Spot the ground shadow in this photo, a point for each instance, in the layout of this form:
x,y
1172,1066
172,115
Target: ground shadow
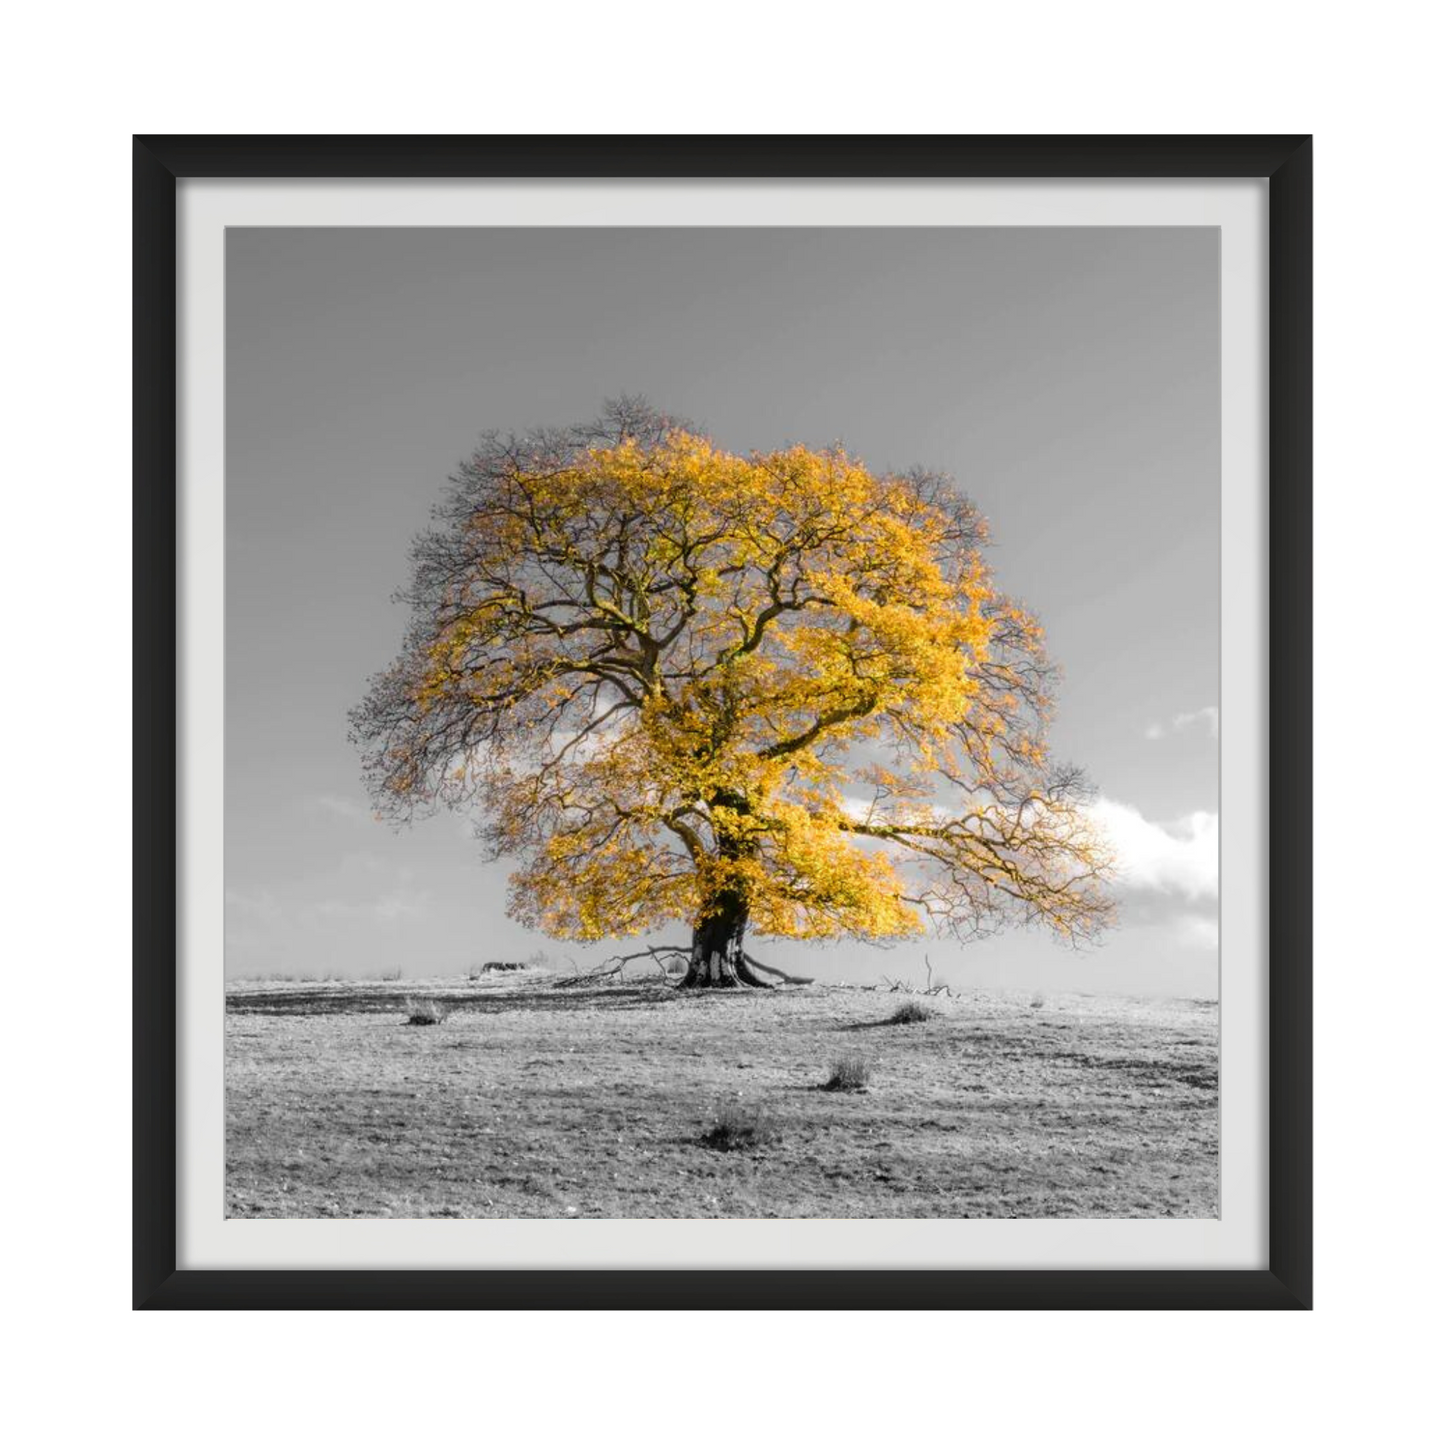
x,y
884,1024
312,1001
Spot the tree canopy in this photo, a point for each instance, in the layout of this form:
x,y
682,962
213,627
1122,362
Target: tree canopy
x,y
675,681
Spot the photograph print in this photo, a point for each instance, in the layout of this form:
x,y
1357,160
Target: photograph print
x,y
722,723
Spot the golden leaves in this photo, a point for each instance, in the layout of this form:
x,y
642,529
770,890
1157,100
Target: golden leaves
x,y
666,671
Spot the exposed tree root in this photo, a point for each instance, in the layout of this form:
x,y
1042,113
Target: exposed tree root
x,y
745,970
719,971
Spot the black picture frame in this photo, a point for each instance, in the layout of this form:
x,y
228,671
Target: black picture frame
x,y
160,161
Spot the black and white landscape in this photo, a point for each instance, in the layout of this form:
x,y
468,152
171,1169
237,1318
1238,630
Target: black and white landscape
x,y
792,792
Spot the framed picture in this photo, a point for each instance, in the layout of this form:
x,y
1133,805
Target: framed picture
x,y
827,622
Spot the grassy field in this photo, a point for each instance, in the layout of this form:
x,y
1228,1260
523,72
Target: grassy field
x,y
533,1099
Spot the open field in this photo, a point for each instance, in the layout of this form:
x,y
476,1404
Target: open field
x,y
592,1100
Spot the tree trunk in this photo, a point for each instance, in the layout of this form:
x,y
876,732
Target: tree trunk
x,y
718,960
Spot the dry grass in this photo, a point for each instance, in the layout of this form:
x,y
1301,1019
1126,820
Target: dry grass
x,y
910,1013
422,1011
738,1126
850,1074
589,1101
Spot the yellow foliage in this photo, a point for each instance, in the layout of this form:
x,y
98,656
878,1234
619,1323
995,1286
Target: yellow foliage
x,y
672,674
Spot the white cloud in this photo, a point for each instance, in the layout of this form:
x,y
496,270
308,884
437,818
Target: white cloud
x,y
1180,857
1184,721
348,808
1195,930
1209,716
1177,859
262,904
398,905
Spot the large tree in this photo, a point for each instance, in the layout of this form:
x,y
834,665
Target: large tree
x,y
776,692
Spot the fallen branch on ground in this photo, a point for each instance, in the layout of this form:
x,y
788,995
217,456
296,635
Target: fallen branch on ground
x,y
936,990
580,978
776,972
620,961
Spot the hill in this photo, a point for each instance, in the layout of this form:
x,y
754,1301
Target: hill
x,y
540,1096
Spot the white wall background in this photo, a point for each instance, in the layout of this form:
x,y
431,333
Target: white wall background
x,y
83,78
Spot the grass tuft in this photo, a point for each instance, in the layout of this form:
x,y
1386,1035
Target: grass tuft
x,y
850,1075
910,1013
737,1126
422,1011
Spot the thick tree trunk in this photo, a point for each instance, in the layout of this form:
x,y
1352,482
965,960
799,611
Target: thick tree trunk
x,y
718,960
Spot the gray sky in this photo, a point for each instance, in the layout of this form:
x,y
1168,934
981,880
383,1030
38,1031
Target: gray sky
x,y
1068,378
